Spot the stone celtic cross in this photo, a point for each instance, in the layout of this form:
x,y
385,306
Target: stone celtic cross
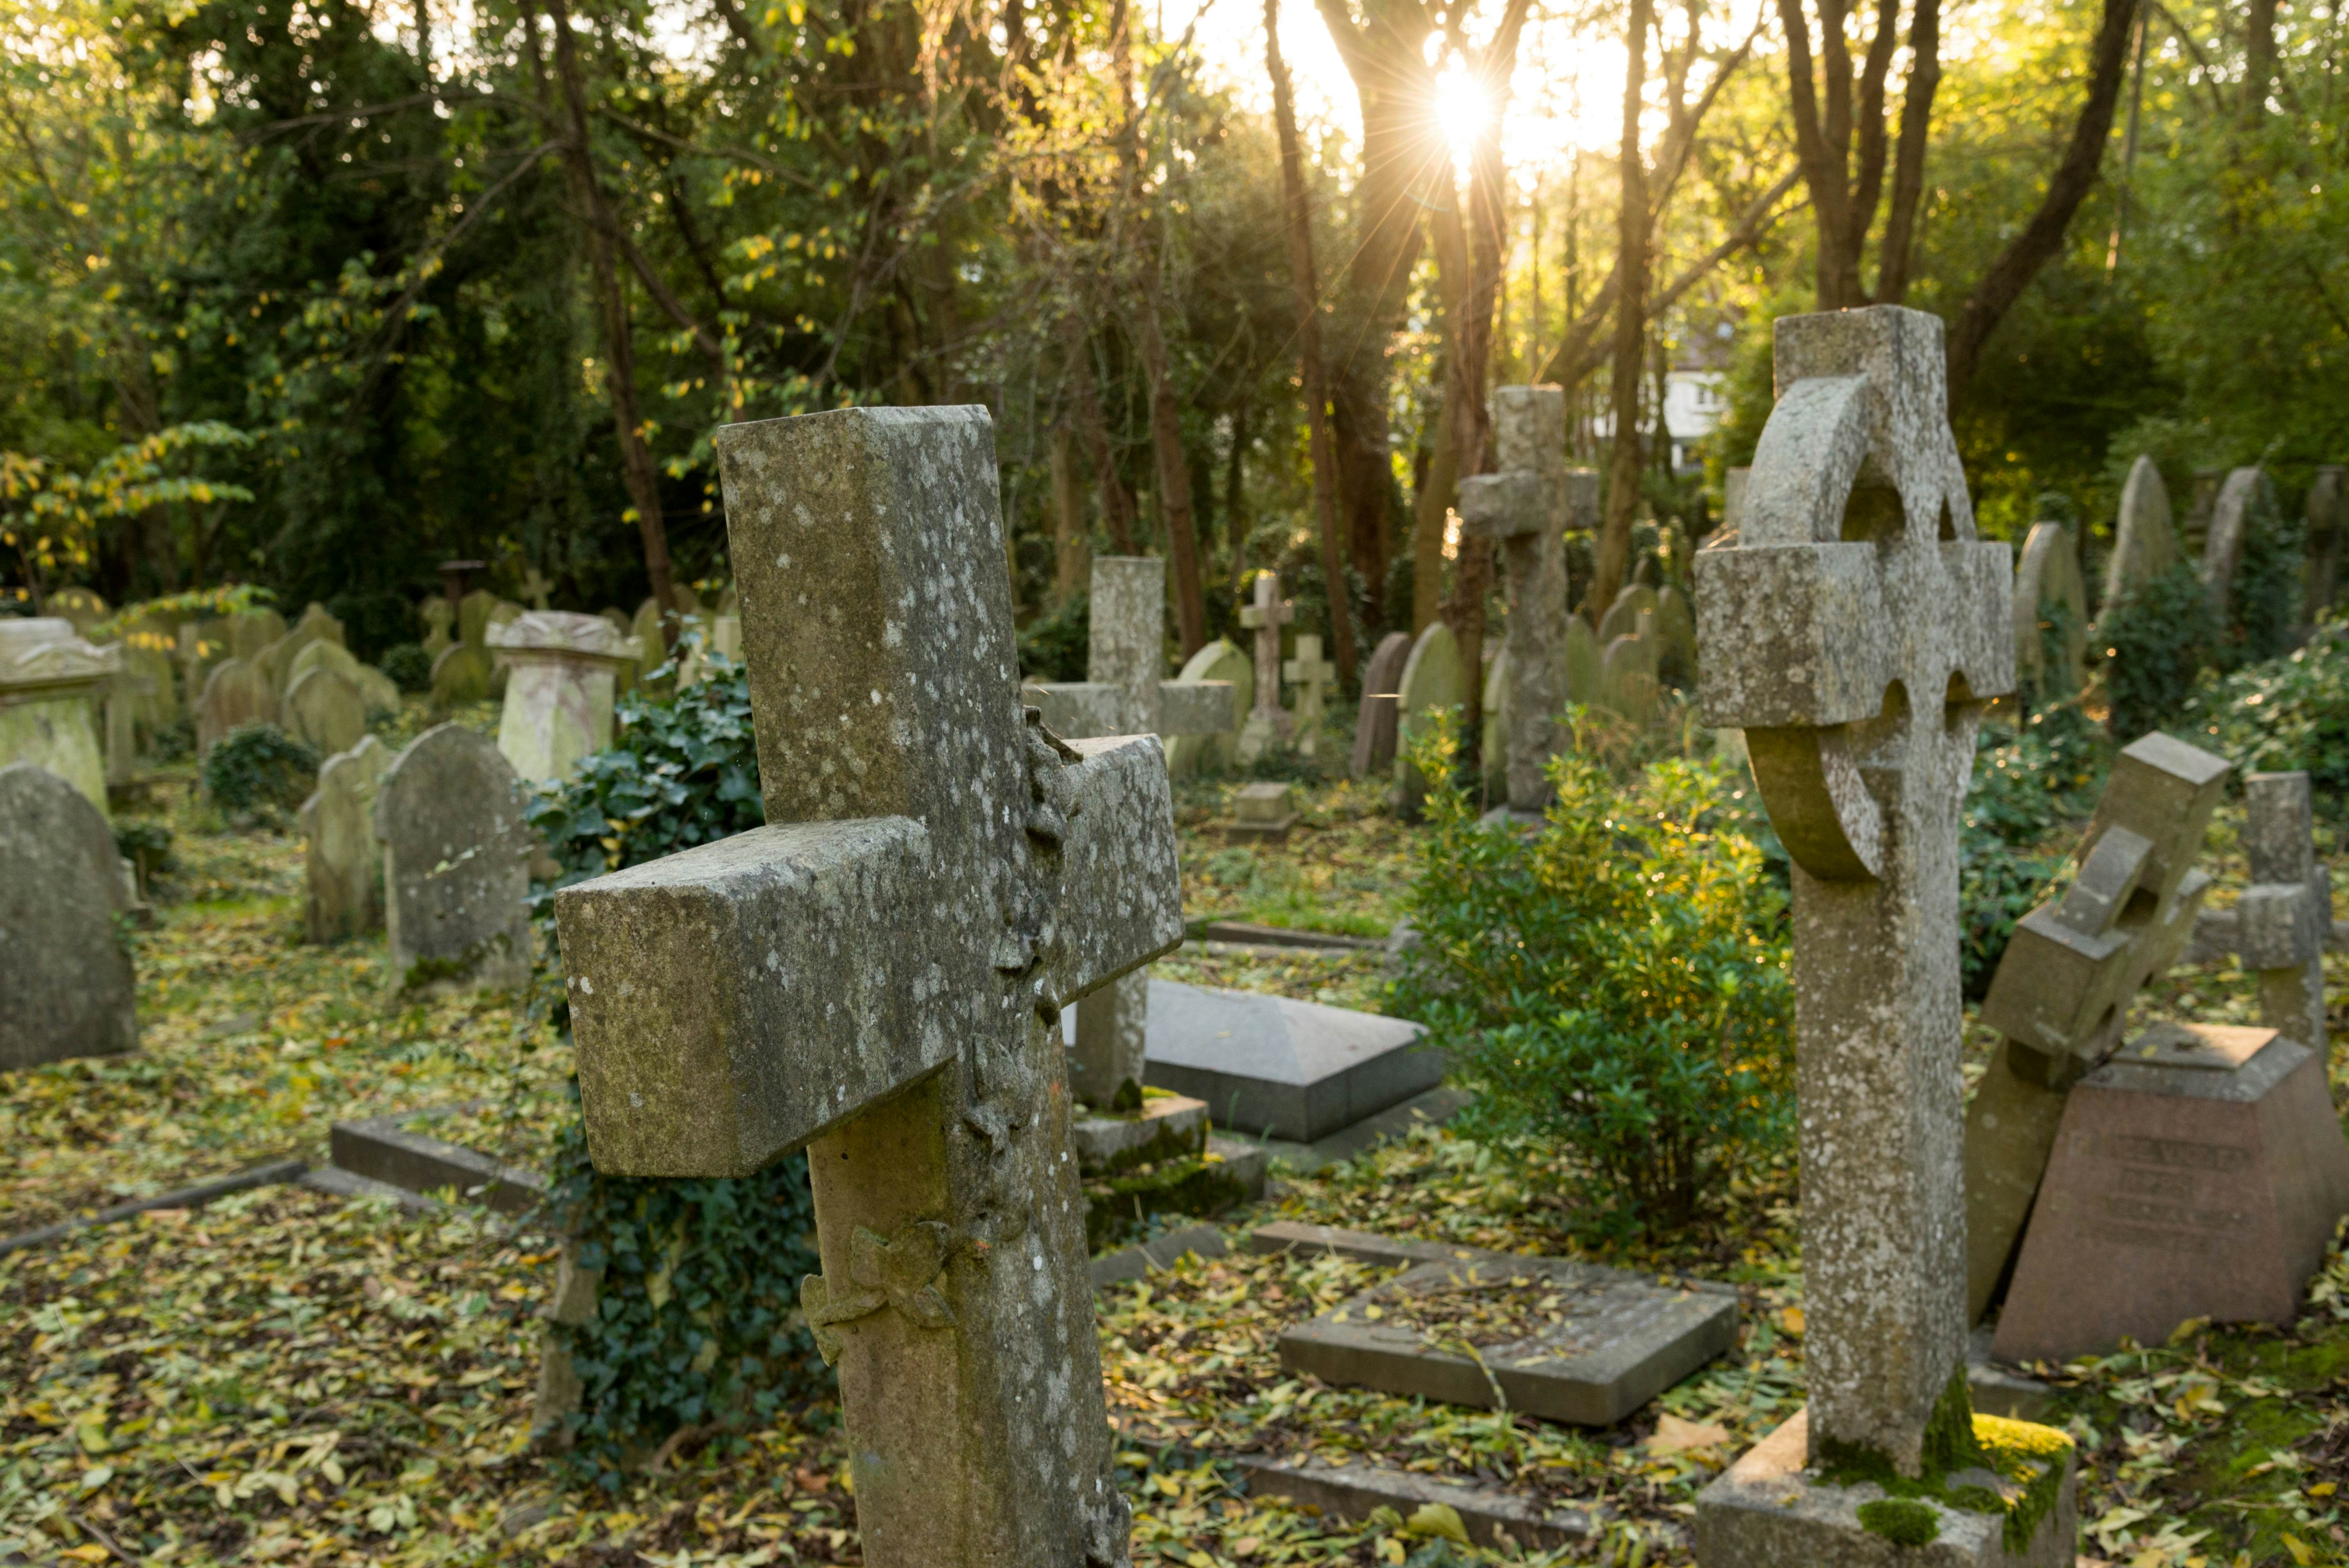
x,y
876,976
1856,633
1267,721
1125,691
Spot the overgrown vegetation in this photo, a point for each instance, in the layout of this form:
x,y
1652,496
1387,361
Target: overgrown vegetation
x,y
259,769
2155,639
2282,714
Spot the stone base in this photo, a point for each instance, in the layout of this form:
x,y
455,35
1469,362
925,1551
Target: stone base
x,y
1279,1068
1230,1173
1159,1252
1766,1512
1430,1107
1272,831
1167,1127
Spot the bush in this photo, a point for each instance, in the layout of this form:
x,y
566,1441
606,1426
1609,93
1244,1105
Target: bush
x,y
1615,981
1058,645
2284,714
408,665
259,769
2156,638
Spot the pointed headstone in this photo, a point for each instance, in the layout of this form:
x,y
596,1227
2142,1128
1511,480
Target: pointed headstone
x,y
65,988
342,859
1374,721
2144,539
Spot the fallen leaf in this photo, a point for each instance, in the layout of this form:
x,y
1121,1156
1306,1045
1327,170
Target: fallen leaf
x,y
1674,1436
1437,1518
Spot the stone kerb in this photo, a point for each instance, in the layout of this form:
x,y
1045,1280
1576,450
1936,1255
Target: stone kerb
x,y
50,685
66,982
564,677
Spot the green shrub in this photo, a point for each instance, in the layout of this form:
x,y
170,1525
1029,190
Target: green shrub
x,y
146,844
408,665
1056,645
1615,981
2282,714
2156,638
259,769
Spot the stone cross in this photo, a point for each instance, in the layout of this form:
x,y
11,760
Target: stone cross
x,y
437,615
535,588
1125,691
1312,674
1267,721
876,976
1855,632
1525,507
2286,913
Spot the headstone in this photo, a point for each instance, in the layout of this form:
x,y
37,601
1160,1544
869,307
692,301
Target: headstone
x,y
2325,497
2284,916
1676,632
1623,619
67,988
2199,507
325,712
564,671
653,650
120,700
2246,504
81,606
277,661
1732,497
1524,506
1312,675
2145,540
2072,966
1492,744
2051,615
1105,1060
1855,632
461,676
536,587
1374,721
439,615
250,631
1435,680
1279,1068
1629,673
1124,691
1268,723
456,865
237,694
51,683
872,975
2197,1174
342,859
474,612
1266,811
1218,681
1586,661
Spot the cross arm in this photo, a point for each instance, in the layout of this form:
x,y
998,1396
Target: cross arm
x,y
735,1001
1076,708
1121,900
1501,506
1196,707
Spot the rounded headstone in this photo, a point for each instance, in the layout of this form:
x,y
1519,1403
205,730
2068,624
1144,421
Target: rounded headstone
x,y
236,693
342,862
65,988
2051,614
461,676
1374,722
1187,755
2144,539
325,711
1434,678
456,865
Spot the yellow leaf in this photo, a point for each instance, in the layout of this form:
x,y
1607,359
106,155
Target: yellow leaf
x,y
2299,1549
1791,1320
89,1553
2323,1489
1434,1519
1674,1436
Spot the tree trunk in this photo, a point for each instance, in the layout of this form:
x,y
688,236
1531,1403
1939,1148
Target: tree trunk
x,y
1092,430
1070,553
1304,278
1631,326
2259,61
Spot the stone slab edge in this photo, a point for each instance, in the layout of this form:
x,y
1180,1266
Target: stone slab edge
x,y
1241,930
1352,1491
1364,1246
269,1175
1434,1106
417,1162
1158,1252
336,1183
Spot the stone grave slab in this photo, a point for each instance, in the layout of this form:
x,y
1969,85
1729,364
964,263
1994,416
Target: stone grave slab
x,y
1265,812
2199,1172
1563,1340
1163,1251
66,984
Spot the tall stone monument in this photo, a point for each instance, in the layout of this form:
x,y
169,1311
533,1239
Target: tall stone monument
x,y
564,676
1268,723
50,685
456,865
876,976
1125,691
2286,915
66,986
1855,632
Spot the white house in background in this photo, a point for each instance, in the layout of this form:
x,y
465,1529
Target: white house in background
x,y
1695,401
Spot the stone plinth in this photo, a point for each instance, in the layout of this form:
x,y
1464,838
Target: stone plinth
x,y
1263,811
50,685
2199,1173
1168,1125
66,984
565,674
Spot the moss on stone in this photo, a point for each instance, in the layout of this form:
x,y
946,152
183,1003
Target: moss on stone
x,y
1196,1184
2032,1457
1902,1521
2029,1458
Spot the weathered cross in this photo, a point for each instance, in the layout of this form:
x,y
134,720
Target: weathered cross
x,y
1855,634
2286,913
1525,507
1125,691
877,974
1312,674
2062,992
1267,721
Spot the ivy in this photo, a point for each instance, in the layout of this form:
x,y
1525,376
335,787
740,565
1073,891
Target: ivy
x,y
2286,712
259,769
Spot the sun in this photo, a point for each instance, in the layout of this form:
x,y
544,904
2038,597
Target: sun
x,y
1463,111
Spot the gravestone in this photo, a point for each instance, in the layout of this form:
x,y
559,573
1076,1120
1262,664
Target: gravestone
x,y
2325,494
375,689
1374,721
2072,966
237,694
342,862
1586,661
67,988
1219,680
1676,632
1630,673
2194,526
1524,506
456,865
50,685
2051,615
536,587
1492,744
81,606
1434,680
439,615
873,974
2286,915
252,631
653,649
1312,675
1855,632
1124,692
563,675
325,711
474,612
2144,539
461,676
2246,504
1732,497
1623,619
1268,723
2199,1173
1266,811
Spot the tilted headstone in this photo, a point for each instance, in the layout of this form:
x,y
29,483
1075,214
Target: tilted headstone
x,y
2246,505
456,865
1125,691
2144,539
2286,915
324,711
66,986
342,859
1217,682
876,976
1375,720
236,693
2051,615
1855,632
1268,723
2062,992
653,650
1527,507
1629,672
438,616
1622,620
51,683
1434,679
563,675
2325,497
1312,675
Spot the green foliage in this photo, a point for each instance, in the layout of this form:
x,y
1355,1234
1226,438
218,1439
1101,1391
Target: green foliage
x,y
408,665
145,843
693,1321
259,769
684,771
2263,601
1056,645
2156,638
1615,981
2032,787
1903,1521
2287,713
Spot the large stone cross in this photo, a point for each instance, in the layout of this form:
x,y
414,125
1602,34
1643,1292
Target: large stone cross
x,y
1312,674
1855,634
876,976
1267,721
2286,914
1125,691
